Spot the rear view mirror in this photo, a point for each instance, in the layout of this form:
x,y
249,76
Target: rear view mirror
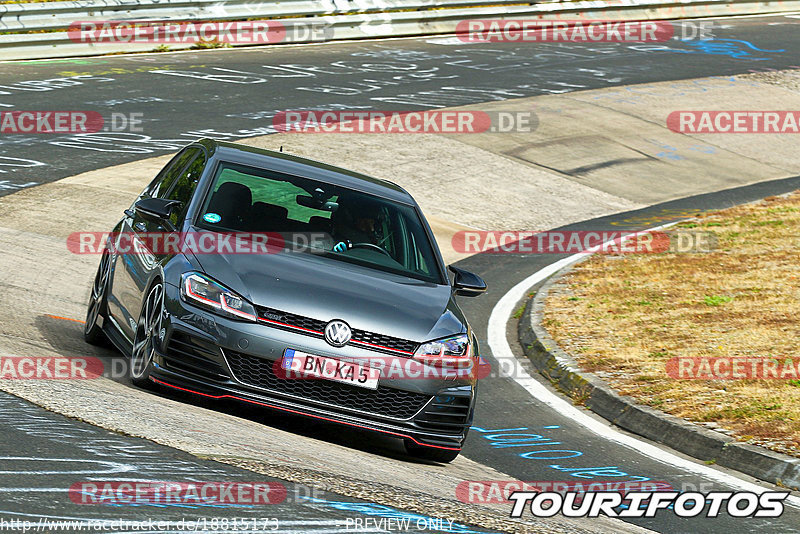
x,y
316,203
467,284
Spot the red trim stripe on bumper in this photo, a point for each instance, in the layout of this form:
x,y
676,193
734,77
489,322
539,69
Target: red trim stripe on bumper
x,y
226,396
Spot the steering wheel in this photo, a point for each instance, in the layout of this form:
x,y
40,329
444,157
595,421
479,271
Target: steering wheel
x,y
371,247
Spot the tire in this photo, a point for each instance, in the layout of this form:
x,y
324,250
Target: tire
x,y
92,332
420,452
147,336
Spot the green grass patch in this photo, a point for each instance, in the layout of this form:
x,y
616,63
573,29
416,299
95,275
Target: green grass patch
x,y
716,300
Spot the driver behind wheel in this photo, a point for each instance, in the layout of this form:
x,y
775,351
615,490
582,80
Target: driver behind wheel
x,y
356,224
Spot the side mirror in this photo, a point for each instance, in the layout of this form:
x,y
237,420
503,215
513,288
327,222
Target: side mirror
x,y
467,284
155,209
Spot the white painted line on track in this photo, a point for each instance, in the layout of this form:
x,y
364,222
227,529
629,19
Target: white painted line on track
x,y
501,350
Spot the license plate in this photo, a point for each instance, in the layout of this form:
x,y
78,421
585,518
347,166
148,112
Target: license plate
x,y
303,366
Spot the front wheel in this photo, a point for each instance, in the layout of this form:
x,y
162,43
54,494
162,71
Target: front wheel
x,y
148,332
92,332
429,453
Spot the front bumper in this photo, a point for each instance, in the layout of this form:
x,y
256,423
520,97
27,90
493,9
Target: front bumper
x,y
220,358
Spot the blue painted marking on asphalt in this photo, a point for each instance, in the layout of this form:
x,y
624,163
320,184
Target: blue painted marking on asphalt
x,y
504,438
735,48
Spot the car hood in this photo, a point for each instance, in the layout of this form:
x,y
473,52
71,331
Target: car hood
x,y
326,289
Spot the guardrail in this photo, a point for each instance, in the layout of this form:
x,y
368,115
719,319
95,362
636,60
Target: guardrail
x,y
346,19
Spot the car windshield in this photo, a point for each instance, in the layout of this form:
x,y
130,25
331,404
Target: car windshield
x,y
335,222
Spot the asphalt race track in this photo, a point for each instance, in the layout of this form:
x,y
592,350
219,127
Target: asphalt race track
x,y
50,451
233,94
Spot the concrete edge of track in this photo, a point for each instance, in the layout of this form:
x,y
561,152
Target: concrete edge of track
x,y
500,327
679,434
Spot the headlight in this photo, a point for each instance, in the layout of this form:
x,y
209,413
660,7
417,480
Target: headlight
x,y
454,349
202,291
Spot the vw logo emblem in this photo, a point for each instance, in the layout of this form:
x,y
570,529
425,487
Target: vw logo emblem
x,y
337,333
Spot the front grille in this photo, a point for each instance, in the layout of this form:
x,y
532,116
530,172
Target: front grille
x,y
191,355
379,340
291,319
314,327
445,413
258,372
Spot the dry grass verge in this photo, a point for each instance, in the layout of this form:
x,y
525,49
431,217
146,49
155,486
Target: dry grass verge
x,y
623,318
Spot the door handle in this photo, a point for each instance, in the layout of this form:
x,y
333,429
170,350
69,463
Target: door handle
x,y
140,226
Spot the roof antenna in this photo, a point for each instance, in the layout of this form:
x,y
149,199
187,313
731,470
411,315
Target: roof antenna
x,y
281,148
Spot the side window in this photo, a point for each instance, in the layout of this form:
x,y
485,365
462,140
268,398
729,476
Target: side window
x,y
162,174
164,186
166,175
184,187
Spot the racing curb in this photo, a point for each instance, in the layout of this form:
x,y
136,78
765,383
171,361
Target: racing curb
x,y
701,443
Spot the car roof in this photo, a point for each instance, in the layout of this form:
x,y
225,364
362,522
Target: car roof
x,y
307,168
